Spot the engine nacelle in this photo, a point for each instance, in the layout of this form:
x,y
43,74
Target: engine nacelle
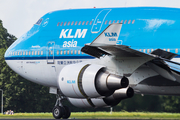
x,y
89,81
112,100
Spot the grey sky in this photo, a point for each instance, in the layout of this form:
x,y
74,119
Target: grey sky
x,y
18,16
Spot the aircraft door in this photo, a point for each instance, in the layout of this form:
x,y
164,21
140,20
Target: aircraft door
x,y
99,20
50,52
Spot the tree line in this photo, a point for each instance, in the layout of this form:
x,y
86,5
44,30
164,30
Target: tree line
x,y
21,95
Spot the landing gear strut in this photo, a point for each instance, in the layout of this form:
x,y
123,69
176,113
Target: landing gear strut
x,y
60,111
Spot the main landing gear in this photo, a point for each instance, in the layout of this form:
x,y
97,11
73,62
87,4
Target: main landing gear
x,y
60,111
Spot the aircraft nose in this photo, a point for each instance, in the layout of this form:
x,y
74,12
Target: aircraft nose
x,y
6,54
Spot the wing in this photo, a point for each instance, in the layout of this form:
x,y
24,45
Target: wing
x,y
105,44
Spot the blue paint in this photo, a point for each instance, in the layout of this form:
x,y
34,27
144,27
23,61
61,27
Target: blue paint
x,y
143,28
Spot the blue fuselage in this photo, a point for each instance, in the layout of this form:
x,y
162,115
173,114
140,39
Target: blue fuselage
x,y
144,29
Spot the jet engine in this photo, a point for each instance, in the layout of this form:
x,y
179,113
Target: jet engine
x,y
89,81
112,100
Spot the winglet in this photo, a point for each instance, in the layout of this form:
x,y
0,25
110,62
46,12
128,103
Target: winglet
x,y
109,36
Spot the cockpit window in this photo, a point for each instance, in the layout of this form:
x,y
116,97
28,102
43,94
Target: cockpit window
x,y
39,22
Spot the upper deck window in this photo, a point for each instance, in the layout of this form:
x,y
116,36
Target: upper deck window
x,y
79,23
58,24
68,23
76,23
129,21
133,21
65,23
72,23
39,22
61,23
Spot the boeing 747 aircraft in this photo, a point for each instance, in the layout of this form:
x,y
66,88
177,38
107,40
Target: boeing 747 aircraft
x,y
98,57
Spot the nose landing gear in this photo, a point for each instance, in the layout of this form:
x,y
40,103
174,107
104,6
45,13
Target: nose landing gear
x,y
60,111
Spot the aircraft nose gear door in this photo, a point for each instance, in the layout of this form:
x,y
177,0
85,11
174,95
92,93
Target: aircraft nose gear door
x,y
50,53
99,20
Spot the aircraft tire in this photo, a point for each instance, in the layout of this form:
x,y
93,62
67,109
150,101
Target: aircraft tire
x,y
57,112
67,112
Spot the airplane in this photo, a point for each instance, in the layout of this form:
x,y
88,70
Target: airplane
x,y
100,56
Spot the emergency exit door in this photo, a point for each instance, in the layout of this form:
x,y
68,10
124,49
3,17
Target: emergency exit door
x,y
98,22
50,53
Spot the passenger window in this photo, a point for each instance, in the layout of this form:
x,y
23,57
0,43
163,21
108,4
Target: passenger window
x,y
68,52
32,52
148,50
105,22
83,22
61,52
82,53
90,23
79,51
64,52
176,50
139,49
133,21
71,52
26,52
121,21
29,52
41,52
87,22
23,52
76,23
68,23
79,23
114,21
38,52
18,52
152,50
72,23
164,49
168,50
144,50
125,21
74,51
57,52
117,21
35,52
129,21
61,23
110,22
51,52
58,24
65,23
15,53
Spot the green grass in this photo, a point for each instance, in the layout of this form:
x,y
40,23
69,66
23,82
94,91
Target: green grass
x,y
99,115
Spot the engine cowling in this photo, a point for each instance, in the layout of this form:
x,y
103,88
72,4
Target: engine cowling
x,y
89,80
112,100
